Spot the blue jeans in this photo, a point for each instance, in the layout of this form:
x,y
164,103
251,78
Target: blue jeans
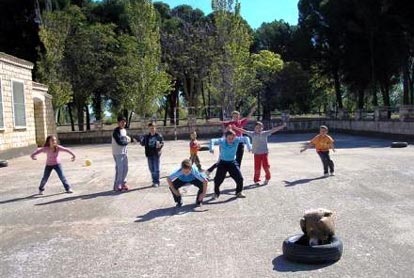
x,y
154,167
48,171
121,169
326,161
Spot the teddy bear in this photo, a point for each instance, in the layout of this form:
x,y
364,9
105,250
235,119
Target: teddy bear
x,y
318,226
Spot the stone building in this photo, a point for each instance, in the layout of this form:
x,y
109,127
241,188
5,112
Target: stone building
x,y
26,112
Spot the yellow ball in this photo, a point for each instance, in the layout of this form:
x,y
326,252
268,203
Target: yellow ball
x,y
88,162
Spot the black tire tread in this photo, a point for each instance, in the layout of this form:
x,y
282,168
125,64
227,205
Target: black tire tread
x,y
312,254
399,144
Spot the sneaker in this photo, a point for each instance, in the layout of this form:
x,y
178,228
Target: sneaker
x,y
240,195
326,175
215,196
179,205
155,185
41,192
332,174
199,204
266,182
117,188
69,190
124,187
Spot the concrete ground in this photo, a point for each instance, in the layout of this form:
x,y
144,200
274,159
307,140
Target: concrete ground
x,y
98,233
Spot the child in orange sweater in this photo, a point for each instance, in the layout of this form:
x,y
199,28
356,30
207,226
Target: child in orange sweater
x,y
323,143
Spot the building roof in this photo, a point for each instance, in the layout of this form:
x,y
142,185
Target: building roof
x,y
15,61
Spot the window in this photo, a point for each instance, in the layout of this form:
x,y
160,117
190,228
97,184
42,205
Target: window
x,y
1,107
19,107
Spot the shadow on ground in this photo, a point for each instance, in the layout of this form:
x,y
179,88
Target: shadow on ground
x,y
92,196
30,197
171,211
302,181
280,264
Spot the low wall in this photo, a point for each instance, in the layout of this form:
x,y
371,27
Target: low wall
x,y
169,133
395,130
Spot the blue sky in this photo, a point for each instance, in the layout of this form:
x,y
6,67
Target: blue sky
x,y
254,11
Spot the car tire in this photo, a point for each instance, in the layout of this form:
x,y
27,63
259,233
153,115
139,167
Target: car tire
x,y
399,144
296,249
3,163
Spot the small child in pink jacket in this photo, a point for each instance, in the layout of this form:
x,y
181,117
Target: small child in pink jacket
x,y
52,149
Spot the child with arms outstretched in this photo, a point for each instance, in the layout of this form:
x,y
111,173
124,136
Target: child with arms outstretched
x,y
52,150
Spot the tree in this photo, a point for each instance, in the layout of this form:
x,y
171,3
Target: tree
x,y
277,37
267,65
53,35
151,81
234,78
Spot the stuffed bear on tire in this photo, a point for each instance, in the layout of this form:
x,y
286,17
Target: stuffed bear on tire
x,y
318,243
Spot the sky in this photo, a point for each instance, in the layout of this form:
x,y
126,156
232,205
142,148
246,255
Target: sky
x,y
254,11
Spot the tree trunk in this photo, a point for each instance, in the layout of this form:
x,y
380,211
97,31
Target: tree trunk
x,y
167,102
386,95
209,104
337,85
72,123
258,104
80,112
266,106
130,118
97,106
88,118
406,83
361,98
373,77
177,115
58,112
125,114
204,101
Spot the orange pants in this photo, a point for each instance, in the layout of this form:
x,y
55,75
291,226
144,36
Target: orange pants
x,y
259,161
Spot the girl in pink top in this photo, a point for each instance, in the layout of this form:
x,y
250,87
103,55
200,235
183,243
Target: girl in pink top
x,y
52,149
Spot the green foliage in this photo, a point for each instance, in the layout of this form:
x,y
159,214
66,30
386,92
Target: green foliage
x,y
150,81
53,34
267,63
235,78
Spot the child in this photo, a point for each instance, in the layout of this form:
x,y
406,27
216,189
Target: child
x,y
228,162
240,123
120,142
52,149
260,149
153,143
185,175
194,147
323,142
214,166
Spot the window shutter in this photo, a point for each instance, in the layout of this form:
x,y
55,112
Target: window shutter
x,y
19,104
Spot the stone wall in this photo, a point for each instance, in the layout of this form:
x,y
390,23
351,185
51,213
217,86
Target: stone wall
x,y
169,133
394,130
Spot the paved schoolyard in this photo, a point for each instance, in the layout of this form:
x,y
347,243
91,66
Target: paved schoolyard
x,y
98,233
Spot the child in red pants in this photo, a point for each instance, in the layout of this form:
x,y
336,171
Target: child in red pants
x,y
260,150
